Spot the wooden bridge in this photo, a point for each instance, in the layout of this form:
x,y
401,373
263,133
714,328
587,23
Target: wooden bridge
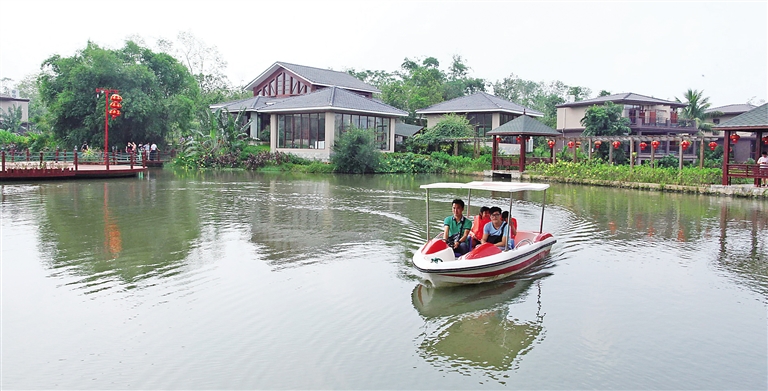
x,y
25,165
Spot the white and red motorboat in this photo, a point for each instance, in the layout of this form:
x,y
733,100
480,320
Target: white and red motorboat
x,y
438,264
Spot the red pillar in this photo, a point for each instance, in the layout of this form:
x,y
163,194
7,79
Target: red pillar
x,y
726,156
494,153
522,153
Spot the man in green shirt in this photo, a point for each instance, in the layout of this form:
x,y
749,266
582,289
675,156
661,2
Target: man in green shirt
x,y
457,228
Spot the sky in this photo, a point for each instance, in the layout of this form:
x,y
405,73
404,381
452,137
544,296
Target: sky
x,y
658,49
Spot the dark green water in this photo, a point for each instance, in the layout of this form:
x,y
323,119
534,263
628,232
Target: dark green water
x,y
286,281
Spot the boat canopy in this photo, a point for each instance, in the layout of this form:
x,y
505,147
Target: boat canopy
x,y
491,186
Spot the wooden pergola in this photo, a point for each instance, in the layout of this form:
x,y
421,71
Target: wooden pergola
x,y
753,121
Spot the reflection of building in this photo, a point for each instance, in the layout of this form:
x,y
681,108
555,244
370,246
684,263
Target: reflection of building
x,y
484,111
305,109
473,327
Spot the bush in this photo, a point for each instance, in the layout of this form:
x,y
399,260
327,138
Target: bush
x,y
355,152
406,163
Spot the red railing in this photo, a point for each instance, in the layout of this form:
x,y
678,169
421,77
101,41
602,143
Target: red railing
x,y
513,162
747,171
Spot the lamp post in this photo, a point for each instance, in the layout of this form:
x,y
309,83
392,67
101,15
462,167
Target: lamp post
x,y
110,110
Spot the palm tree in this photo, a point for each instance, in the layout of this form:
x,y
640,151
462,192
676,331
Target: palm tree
x,y
696,109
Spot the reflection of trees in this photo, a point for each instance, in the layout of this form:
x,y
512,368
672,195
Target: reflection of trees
x,y
469,327
124,229
630,216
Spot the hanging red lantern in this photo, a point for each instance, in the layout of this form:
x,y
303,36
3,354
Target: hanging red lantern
x,y
712,146
735,138
685,144
114,113
571,144
598,143
551,144
765,140
116,98
498,139
519,139
655,144
115,105
616,144
643,145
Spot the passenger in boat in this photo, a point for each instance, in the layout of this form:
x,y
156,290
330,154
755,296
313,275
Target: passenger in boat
x,y
457,228
476,233
495,232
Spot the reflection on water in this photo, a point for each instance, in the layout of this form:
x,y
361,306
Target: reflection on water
x,y
471,328
242,267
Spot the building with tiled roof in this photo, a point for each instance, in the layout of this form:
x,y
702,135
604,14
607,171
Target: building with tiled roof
x,y
724,113
647,116
284,79
483,110
304,109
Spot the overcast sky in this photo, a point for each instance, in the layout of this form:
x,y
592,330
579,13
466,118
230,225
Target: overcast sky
x,y
651,48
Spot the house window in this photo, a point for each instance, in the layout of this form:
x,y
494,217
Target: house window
x,y
379,126
505,117
301,131
716,120
481,122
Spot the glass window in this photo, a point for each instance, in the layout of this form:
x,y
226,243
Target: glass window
x,y
379,126
301,131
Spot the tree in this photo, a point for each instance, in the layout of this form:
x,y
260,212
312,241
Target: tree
x,y
695,111
206,65
10,119
355,152
541,96
159,95
606,120
450,126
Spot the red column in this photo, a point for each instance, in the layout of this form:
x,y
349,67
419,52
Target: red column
x,y
493,154
521,166
726,155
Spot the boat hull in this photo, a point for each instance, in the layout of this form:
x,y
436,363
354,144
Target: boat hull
x,y
442,268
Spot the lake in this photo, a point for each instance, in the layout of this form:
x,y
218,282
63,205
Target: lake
x,y
240,280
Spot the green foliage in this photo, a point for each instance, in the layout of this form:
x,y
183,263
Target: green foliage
x,y
405,163
10,140
10,119
219,141
540,96
596,170
159,95
605,120
450,126
355,152
695,111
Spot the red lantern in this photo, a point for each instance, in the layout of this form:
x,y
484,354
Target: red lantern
x,y
765,140
519,139
616,145
114,113
735,138
712,146
655,144
571,144
643,145
115,105
116,98
685,144
598,143
551,144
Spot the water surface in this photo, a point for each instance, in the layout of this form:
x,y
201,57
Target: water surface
x,y
179,280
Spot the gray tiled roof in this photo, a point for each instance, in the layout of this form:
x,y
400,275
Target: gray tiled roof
x,y
407,130
478,102
732,109
629,98
524,125
249,104
318,77
755,118
333,99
